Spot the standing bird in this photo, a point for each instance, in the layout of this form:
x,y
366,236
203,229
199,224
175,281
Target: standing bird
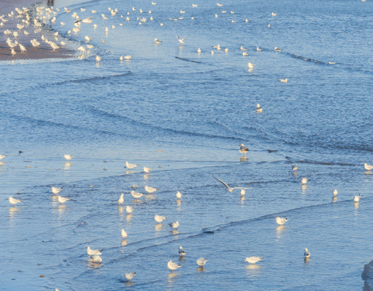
x,y
129,209
253,260
13,201
357,198
178,195
258,108
307,254
56,190
91,252
181,40
281,220
174,225
243,150
150,190
98,59
181,252
2,156
159,218
129,276
136,195
304,181
201,262
294,167
250,65
335,192
172,266
124,234
147,170
130,166
368,167
157,41
68,157
96,259
121,199
62,199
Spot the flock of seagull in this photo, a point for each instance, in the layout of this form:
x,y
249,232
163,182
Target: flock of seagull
x,y
47,16
95,255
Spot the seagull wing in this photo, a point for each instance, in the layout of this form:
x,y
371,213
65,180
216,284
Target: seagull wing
x,y
225,184
184,38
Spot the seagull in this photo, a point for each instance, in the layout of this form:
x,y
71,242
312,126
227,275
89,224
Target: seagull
x,y
245,53
150,190
178,195
277,49
243,149
157,41
174,225
62,199
130,166
242,192
181,40
199,50
294,167
127,58
91,252
307,254
124,234
357,198
284,80
368,167
129,276
253,260
172,266
68,157
281,220
220,5
201,262
13,201
258,49
136,195
182,253
129,209
226,50
159,218
335,192
97,259
56,190
243,49
98,59
229,189
121,199
304,181
147,170
2,156
274,14
258,108
251,66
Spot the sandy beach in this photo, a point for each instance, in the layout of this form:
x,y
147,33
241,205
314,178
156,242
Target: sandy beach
x,y
44,51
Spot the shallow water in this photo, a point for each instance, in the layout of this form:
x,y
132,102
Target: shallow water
x,y
184,114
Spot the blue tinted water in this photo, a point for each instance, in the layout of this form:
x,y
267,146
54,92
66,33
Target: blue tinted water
x,y
185,114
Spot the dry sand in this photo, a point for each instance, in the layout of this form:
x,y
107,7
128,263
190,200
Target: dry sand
x,y
41,52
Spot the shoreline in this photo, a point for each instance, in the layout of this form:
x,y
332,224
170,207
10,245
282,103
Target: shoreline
x,y
44,50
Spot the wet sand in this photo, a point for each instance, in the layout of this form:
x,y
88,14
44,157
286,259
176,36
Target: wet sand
x,y
44,51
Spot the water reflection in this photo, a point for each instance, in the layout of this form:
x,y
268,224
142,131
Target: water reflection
x,y
242,198
12,212
201,269
334,199
178,203
174,231
61,209
244,159
146,176
158,226
124,242
280,231
129,217
304,188
67,166
92,265
129,172
307,260
129,283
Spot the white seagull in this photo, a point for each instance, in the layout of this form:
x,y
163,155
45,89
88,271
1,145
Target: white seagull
x,y
91,252
13,201
307,254
68,157
150,190
304,181
251,66
230,189
243,150
136,195
294,167
368,167
335,192
258,108
96,259
62,199
201,262
56,190
121,198
178,195
157,41
174,225
181,40
130,166
159,218
253,260
129,276
147,170
281,220
123,234
357,198
172,266
129,209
